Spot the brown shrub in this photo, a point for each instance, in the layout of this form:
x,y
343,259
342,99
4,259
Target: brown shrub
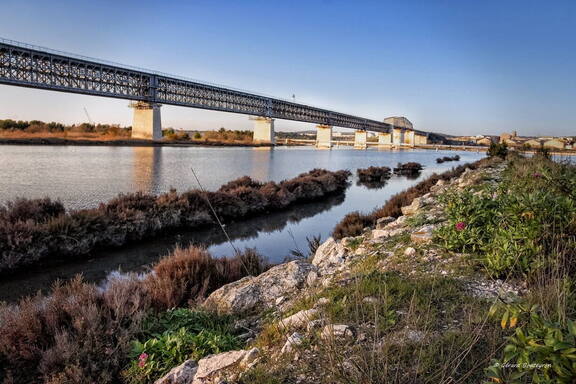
x,y
245,181
351,225
38,210
373,174
190,274
408,169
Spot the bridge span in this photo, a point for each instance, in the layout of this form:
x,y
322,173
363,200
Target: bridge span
x,y
37,67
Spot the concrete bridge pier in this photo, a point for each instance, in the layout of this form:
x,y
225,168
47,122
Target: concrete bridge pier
x,y
384,139
146,121
409,137
324,136
397,136
360,137
263,130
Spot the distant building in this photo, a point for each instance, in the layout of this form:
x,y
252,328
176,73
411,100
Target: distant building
x,y
484,141
399,121
534,143
555,144
509,138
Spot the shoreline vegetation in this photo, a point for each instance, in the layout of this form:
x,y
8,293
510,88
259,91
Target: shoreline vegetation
x,y
354,223
37,132
40,231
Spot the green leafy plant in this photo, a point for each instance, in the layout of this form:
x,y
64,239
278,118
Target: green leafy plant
x,y
175,336
539,350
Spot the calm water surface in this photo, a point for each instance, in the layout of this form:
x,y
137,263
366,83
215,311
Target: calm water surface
x,y
82,177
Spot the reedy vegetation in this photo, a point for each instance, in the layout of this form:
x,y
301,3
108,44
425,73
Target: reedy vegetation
x,y
33,231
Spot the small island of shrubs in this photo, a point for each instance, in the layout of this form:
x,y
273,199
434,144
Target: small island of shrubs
x,y
441,160
408,169
373,174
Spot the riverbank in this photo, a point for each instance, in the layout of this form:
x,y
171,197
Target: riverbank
x,y
126,142
41,232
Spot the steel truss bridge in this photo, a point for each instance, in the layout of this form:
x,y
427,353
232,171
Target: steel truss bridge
x,y
36,67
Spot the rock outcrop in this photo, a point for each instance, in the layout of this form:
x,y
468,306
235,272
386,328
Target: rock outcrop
x,y
254,293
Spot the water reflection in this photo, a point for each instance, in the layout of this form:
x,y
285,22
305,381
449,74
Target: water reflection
x,y
147,165
262,159
372,184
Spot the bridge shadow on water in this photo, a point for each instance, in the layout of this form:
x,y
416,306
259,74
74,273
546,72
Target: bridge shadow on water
x,y
139,257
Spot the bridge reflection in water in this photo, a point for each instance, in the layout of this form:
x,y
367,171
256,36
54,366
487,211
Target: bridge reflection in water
x,y
147,166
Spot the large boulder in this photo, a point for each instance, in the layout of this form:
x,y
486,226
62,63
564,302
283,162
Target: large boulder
x,y
253,293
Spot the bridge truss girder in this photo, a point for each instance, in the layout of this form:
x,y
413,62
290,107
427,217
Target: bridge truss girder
x,y
36,68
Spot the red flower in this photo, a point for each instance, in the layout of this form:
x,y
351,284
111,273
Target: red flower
x,y
460,226
142,359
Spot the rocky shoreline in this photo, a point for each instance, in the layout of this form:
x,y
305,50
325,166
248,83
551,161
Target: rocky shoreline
x,y
289,301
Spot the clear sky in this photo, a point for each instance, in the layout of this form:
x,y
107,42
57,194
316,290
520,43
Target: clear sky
x,y
452,66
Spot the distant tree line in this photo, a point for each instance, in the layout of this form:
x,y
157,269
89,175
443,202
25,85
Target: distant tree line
x,y
37,126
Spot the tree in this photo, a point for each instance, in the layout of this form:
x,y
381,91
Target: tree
x,y
498,150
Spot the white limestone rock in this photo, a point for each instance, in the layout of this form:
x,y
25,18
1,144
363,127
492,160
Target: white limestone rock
x,y
424,234
298,319
329,255
253,293
409,251
182,374
293,340
383,221
412,208
211,367
332,331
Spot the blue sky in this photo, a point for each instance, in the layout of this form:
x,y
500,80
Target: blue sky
x,y
453,66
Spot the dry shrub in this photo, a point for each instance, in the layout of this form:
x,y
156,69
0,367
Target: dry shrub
x,y
245,181
351,225
373,174
38,210
190,274
77,334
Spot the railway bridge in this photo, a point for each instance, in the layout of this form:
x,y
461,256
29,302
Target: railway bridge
x,y
30,66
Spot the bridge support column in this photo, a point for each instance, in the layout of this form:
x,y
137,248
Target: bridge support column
x,y
324,136
384,139
420,139
263,130
409,137
397,136
146,121
360,139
